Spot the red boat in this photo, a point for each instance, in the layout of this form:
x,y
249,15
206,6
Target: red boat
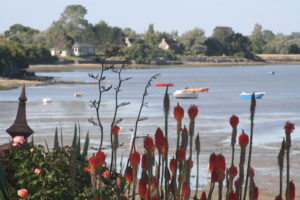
x,y
163,84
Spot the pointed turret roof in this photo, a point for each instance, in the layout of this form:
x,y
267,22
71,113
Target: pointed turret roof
x,y
20,126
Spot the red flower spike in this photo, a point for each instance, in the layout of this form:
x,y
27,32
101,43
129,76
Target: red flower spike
x,y
203,196
101,156
159,139
214,177
128,175
144,162
97,198
135,159
232,171
232,196
185,189
212,162
181,154
289,127
251,172
243,140
94,162
220,163
278,198
234,121
142,187
115,129
178,112
236,183
173,165
87,169
292,191
155,198
149,144
193,111
256,194
153,183
189,164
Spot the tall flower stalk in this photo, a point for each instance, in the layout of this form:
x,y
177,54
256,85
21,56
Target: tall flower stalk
x,y
166,114
280,159
243,142
252,114
197,148
289,128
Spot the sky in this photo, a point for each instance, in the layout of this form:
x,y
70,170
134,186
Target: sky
x,y
280,16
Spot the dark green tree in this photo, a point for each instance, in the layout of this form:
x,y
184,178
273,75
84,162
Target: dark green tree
x,y
257,39
294,49
151,38
193,41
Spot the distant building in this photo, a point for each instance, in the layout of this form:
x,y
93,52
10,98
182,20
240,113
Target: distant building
x,y
5,39
168,44
78,49
129,41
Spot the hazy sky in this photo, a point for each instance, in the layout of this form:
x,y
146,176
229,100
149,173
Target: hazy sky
x,y
280,16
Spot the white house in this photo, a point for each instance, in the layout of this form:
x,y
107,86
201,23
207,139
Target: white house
x,y
78,49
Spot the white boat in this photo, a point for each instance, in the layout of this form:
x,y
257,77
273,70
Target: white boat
x,y
47,100
185,94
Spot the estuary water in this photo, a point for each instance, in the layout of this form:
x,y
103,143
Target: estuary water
x,y
280,103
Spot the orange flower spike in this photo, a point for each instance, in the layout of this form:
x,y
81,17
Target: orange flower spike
x,y
142,187
159,139
193,111
181,154
94,162
212,162
135,159
115,130
232,196
256,194
243,140
292,191
289,127
101,156
149,144
129,175
203,196
178,112
234,121
232,171
105,174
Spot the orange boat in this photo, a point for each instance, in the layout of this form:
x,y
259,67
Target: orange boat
x,y
163,84
196,90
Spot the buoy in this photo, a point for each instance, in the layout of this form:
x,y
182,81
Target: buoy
x,y
77,94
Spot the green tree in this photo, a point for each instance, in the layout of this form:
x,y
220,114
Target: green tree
x,y
294,49
20,33
139,52
223,34
257,39
151,38
193,41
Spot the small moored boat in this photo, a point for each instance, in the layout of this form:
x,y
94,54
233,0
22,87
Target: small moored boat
x,y
77,94
47,100
185,95
163,84
248,95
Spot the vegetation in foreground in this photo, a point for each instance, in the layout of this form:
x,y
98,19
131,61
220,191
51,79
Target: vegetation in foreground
x,y
65,172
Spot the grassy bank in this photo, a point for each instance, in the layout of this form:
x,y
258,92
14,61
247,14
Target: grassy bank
x,y
6,84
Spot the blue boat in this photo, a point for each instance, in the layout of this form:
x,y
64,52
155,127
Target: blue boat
x,y
248,95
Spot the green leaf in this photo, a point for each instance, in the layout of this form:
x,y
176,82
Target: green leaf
x,y
86,145
74,137
47,146
4,189
56,144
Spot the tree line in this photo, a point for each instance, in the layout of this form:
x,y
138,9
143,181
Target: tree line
x,y
72,26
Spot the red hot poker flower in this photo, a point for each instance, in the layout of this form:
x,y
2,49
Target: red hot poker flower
x,y
173,165
243,140
212,162
220,163
292,191
232,171
193,111
185,189
142,187
289,127
105,174
181,154
234,121
178,112
144,162
203,196
251,172
159,139
135,159
149,144
232,196
189,164
87,169
256,194
101,156
115,129
94,162
128,175
278,198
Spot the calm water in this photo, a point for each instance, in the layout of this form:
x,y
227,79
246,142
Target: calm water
x,y
281,102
